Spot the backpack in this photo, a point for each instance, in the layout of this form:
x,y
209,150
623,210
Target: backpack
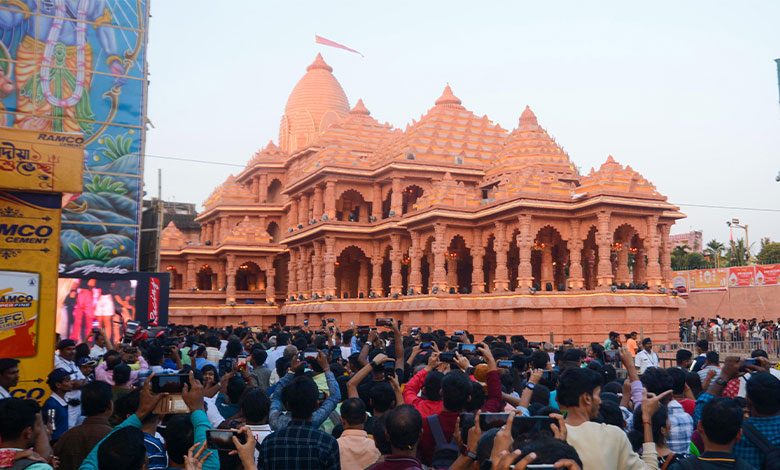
x,y
771,452
444,453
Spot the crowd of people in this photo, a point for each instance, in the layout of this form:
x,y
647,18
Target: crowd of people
x,y
729,329
388,398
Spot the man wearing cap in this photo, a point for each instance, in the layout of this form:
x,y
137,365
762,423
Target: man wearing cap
x,y
57,407
9,376
67,349
87,366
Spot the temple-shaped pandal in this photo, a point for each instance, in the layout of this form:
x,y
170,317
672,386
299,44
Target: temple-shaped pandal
x,y
453,222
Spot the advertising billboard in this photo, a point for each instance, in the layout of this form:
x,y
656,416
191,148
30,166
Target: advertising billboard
x,y
79,68
708,279
742,276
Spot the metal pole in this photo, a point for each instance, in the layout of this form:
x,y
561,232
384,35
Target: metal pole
x,y
159,220
747,245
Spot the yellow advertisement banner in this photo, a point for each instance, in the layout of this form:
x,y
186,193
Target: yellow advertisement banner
x,y
708,279
41,161
29,255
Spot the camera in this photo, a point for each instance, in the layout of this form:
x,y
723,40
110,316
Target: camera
x,y
448,357
384,321
222,439
169,383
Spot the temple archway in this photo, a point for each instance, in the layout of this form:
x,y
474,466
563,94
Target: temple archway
x,y
590,259
410,197
249,277
624,240
353,273
387,270
274,192
205,277
458,264
352,207
489,264
274,231
513,261
426,266
386,205
176,278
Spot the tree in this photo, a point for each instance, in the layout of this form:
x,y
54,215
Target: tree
x,y
715,251
737,254
770,253
680,257
696,260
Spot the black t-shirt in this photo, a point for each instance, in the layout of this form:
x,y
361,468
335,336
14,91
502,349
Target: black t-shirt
x,y
712,461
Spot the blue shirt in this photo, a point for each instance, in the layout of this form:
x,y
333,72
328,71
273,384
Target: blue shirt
x,y
202,362
155,452
60,407
299,445
744,449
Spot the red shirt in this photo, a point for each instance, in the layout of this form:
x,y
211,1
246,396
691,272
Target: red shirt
x,y
425,407
494,402
687,404
427,443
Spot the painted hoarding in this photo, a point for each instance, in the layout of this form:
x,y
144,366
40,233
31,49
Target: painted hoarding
x,y
708,279
768,275
79,67
742,276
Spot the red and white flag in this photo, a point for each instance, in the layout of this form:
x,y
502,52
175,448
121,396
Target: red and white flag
x,y
328,42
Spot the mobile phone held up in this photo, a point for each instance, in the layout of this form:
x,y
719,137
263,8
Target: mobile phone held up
x,y
222,439
383,321
505,364
465,348
169,383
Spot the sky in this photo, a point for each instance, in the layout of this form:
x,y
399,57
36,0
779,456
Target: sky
x,y
684,92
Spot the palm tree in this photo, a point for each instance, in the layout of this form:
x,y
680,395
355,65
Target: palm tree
x,y
714,250
679,257
737,253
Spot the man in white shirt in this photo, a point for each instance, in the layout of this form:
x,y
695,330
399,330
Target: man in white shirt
x,y
67,349
273,355
9,376
101,345
646,357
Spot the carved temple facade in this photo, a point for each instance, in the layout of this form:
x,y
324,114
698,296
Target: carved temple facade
x,y
453,222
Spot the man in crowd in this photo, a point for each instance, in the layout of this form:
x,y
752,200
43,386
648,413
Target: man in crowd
x,y
356,449
22,428
683,359
9,376
711,362
65,361
74,445
646,357
702,346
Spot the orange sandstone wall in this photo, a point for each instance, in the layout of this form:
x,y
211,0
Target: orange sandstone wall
x,y
762,302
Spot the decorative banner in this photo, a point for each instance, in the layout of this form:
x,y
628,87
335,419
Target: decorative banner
x,y
41,161
29,250
708,279
680,283
82,71
742,276
154,301
768,275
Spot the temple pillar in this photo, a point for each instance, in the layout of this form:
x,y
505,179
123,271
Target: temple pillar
x,y
192,279
477,258
439,249
452,273
330,266
209,229
316,265
224,227
396,280
604,241
253,187
376,201
666,256
500,246
270,288
302,273
640,266
221,278
548,275
230,272
654,277
303,210
262,189
396,198
376,274
330,203
293,214
576,280
415,255
525,242
363,278
292,270
317,203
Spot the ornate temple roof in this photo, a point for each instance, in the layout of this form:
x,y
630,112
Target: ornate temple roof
x,y
171,237
351,141
448,133
269,152
316,103
531,145
247,232
448,192
229,192
612,178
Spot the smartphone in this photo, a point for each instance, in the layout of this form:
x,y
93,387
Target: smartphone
x,y
464,348
459,332
222,439
225,365
363,330
547,375
324,323
331,320
613,355
95,325
310,356
305,322
389,368
241,360
448,356
427,345
169,383
415,330
750,362
335,353
506,364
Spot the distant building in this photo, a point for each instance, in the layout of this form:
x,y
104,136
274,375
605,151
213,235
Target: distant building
x,y
693,240
181,214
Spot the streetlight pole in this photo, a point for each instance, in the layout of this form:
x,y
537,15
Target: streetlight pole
x,y
735,223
